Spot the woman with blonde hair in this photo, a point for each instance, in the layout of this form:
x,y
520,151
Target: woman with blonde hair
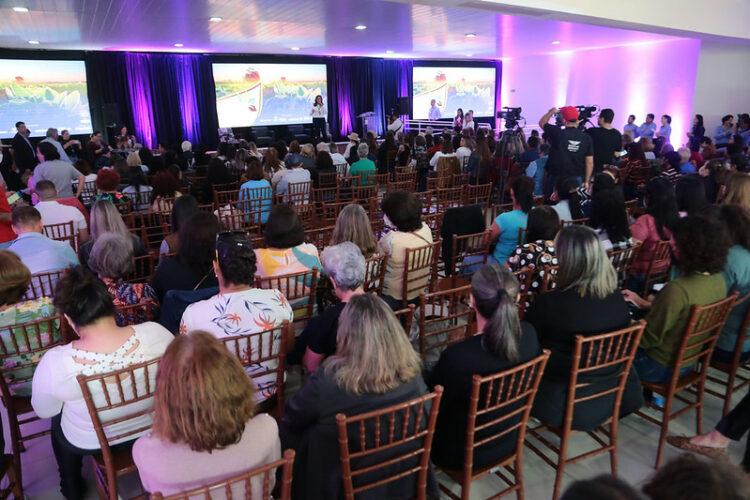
x,y
374,366
353,225
205,428
105,218
738,190
586,301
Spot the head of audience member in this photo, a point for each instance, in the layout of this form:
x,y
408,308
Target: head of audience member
x,y
294,147
84,301
111,257
661,204
631,119
107,180
83,166
690,193
635,152
533,143
738,190
52,134
736,220
402,211
284,228
25,219
373,355
134,159
96,137
542,225
494,289
698,120
198,242
353,224
198,372
684,155
650,118
583,263
322,146
235,263
186,146
45,190
727,121
345,266
702,244
46,151
522,193
606,117
136,178
271,161
105,218
363,150
165,185
308,150
323,161
603,181
64,135
647,144
15,279
688,477
280,148
183,208
604,487
21,128
609,214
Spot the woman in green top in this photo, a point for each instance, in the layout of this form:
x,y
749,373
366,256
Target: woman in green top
x,y
702,248
364,167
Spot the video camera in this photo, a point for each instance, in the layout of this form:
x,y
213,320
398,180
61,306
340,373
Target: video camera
x,y
584,116
511,116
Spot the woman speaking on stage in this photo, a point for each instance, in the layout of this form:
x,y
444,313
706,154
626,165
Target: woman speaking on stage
x,y
319,112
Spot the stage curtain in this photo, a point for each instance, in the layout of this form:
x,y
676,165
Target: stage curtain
x,y
107,83
498,90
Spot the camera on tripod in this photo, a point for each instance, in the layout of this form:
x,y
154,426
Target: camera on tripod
x,y
584,116
511,116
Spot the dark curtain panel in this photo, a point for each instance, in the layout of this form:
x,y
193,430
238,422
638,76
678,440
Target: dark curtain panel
x,y
206,123
107,82
350,93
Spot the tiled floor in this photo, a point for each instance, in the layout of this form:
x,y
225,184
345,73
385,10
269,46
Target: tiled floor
x,y
636,456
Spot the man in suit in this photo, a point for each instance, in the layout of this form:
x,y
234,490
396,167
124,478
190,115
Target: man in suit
x,y
23,151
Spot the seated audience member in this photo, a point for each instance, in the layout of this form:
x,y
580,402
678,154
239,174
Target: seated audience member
x,y
61,173
307,155
585,302
738,190
689,478
273,167
648,148
217,173
106,219
256,195
137,189
108,183
345,267
338,158
737,276
610,220
53,212
600,183
702,244
539,249
182,209
634,170
353,225
568,206
84,167
166,187
15,280
603,487
654,226
446,151
38,252
690,194
294,149
294,174
286,251
111,260
187,449
504,342
134,160
364,167
463,152
102,347
239,308
685,166
192,267
506,226
536,169
323,165
402,213
71,146
374,367
385,154
532,153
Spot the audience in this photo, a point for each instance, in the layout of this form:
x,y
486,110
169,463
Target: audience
x,y
353,225
256,194
690,194
610,219
38,253
166,188
61,173
137,189
689,478
508,225
568,206
108,183
294,174
102,347
54,212
738,190
364,167
106,219
286,251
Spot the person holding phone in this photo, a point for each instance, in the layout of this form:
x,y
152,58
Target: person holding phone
x,y
319,112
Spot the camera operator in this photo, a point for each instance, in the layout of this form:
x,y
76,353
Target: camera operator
x,y
571,152
607,141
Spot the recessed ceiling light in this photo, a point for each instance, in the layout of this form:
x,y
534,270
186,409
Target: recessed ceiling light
x,y
215,19
179,45
389,52
34,42
470,35
294,48
20,9
360,27
555,42
469,55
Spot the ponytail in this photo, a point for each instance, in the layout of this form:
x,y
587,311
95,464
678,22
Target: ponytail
x,y
493,289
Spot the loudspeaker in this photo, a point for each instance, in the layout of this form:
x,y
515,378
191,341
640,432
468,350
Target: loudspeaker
x,y
403,105
110,113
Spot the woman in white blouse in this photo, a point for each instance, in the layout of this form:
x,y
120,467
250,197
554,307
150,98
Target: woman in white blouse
x,y
102,347
319,112
469,120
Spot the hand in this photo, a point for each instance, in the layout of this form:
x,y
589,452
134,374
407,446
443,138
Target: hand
x,y
635,299
553,110
587,184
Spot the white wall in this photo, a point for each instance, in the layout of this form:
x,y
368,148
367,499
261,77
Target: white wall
x,y
721,85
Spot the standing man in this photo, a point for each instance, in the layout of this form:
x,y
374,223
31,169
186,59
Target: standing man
x,y
606,140
571,152
631,128
54,138
434,114
722,133
647,128
23,151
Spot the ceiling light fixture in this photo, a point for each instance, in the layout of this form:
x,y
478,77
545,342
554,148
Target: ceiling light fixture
x,y
179,45
295,48
389,52
34,42
360,27
20,9
470,35
555,42
215,19
469,55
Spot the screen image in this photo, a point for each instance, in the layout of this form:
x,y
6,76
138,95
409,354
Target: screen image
x,y
453,88
43,94
267,94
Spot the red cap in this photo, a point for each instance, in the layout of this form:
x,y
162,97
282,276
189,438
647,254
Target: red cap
x,y
569,113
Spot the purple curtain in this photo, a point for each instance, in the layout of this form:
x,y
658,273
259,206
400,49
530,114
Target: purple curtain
x,y
498,91
141,103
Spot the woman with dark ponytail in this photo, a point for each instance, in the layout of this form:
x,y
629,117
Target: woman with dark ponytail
x,y
506,225
505,342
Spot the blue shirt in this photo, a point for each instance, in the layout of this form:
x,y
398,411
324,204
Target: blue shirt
x,y
647,129
665,131
41,254
509,224
535,170
632,128
687,168
737,275
745,134
262,191
722,136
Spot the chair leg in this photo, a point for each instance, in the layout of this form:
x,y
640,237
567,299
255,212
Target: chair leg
x,y
664,429
728,394
518,473
699,409
613,428
14,475
560,468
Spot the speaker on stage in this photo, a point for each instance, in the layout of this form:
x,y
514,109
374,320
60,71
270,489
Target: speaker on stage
x,y
403,105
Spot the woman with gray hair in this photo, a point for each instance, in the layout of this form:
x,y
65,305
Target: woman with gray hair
x,y
364,167
585,302
345,267
111,260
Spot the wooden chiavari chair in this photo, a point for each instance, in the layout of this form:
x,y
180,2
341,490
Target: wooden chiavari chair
x,y
375,268
435,222
298,288
658,266
449,198
477,194
64,231
622,259
143,269
420,270
444,318
43,284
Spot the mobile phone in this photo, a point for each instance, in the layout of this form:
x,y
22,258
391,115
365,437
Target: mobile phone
x,y
14,197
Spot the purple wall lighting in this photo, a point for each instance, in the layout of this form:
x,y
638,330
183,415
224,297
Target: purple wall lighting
x,y
186,69
137,66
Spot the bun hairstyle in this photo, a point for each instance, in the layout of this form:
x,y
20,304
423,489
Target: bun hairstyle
x,y
82,297
494,288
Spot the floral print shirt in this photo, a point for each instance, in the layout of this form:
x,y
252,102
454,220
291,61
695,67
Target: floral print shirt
x,y
126,294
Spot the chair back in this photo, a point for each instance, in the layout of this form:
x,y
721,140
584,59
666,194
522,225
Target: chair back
x,y
263,355
405,316
477,194
143,269
163,204
135,314
622,259
549,278
298,193
375,268
658,266
233,218
407,176
298,288
420,269
500,404
428,201
88,194
444,318
450,197
327,179
223,198
319,236
578,222
328,194
388,445
435,223
255,202
330,210
252,484
381,180
392,187
43,284
64,231
470,252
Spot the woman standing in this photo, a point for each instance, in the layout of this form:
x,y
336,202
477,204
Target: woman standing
x,y
458,120
319,112
696,134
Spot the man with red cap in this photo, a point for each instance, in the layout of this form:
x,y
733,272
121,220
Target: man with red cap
x,y
571,150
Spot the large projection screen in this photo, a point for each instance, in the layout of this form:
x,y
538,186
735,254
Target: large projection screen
x,y
43,94
249,94
452,88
